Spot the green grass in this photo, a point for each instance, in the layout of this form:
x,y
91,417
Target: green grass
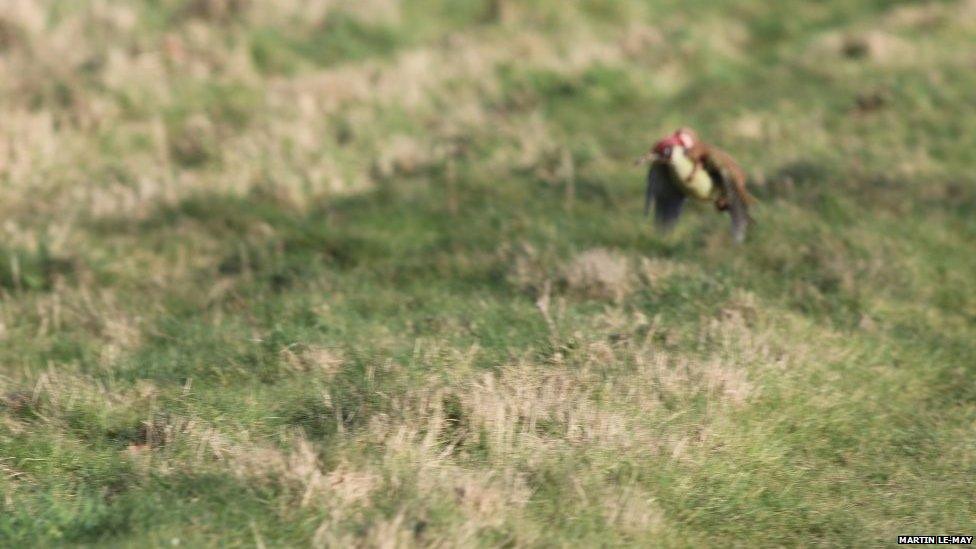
x,y
376,274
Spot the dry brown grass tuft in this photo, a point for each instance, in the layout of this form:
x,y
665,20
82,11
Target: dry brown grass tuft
x,y
11,35
527,270
653,271
749,126
404,155
312,358
194,142
60,394
633,511
295,467
532,411
638,39
599,274
217,10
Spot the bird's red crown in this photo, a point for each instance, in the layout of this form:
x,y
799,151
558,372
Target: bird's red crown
x,y
681,138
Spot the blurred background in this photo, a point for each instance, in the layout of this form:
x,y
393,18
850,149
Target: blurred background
x,y
374,273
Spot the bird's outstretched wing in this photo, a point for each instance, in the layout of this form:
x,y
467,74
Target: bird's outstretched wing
x,y
666,196
724,169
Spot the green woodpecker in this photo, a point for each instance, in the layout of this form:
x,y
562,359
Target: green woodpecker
x,y
681,167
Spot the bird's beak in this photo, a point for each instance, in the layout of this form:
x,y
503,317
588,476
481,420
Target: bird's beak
x,y
649,157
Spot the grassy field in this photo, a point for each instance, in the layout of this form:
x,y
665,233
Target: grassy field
x,y
374,273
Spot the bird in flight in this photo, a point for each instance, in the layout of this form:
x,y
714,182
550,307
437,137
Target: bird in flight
x,y
682,166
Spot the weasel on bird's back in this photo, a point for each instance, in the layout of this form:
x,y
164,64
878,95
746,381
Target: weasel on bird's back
x,y
683,166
